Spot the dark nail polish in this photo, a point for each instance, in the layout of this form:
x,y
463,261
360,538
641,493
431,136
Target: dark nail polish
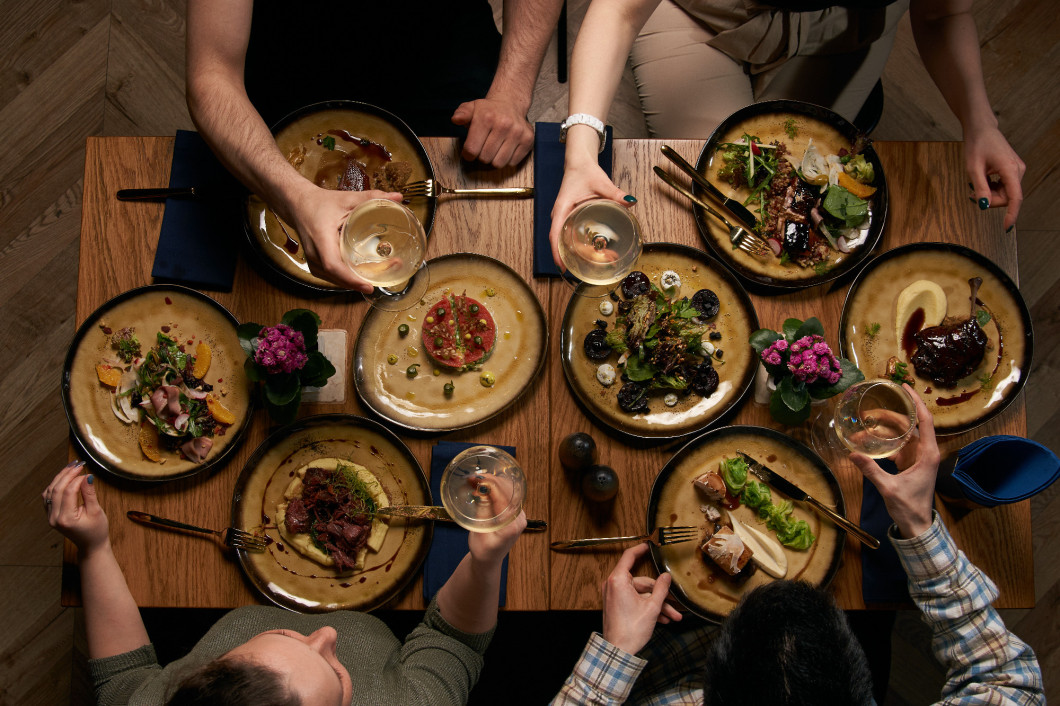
x,y
972,199
91,479
629,198
970,186
984,203
1009,229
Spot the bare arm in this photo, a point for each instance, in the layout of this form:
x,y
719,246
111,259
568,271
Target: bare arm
x,y
948,44
498,132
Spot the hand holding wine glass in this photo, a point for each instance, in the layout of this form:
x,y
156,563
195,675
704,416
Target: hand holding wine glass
x,y
384,243
599,244
483,489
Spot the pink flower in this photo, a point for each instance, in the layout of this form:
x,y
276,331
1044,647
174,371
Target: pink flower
x,y
281,349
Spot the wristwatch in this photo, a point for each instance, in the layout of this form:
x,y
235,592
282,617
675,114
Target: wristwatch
x,y
583,119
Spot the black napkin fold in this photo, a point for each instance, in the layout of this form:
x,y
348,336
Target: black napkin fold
x,y
883,579
548,174
450,541
198,244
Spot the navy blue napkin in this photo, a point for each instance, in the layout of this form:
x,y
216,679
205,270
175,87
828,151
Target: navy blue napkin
x,y
548,173
450,541
1001,469
883,579
198,242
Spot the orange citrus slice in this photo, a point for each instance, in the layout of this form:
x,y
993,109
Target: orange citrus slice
x,y
108,376
862,191
149,442
203,357
218,411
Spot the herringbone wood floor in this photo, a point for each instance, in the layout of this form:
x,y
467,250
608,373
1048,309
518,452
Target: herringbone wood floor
x,y
116,67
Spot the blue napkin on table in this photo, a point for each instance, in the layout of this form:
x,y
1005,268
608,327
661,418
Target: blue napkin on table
x,y
1001,469
548,173
450,541
198,244
883,579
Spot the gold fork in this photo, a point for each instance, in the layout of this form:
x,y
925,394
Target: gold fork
x,y
662,536
432,189
232,536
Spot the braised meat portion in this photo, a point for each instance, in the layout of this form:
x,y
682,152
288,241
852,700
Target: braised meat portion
x,y
951,351
338,518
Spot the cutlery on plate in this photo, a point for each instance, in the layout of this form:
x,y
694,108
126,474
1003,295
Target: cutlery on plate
x,y
231,536
793,491
662,537
733,206
430,188
439,514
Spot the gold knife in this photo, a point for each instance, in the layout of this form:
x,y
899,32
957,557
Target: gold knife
x,y
795,493
439,514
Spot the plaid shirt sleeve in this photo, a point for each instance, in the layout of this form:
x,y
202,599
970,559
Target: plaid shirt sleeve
x,y
603,676
985,663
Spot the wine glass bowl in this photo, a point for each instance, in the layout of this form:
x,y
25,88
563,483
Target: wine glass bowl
x,y
874,417
384,243
599,245
483,489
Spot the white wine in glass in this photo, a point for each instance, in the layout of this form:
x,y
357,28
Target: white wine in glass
x,y
875,418
483,489
384,243
599,244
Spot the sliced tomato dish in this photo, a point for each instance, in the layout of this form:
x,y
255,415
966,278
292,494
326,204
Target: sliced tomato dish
x,y
458,332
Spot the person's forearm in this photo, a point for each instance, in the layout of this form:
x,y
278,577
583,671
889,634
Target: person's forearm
x,y
468,600
112,620
528,27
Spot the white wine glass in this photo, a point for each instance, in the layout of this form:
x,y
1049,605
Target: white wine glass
x,y
384,243
483,489
599,245
873,417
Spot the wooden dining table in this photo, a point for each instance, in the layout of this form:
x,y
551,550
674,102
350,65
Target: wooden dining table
x,y
928,202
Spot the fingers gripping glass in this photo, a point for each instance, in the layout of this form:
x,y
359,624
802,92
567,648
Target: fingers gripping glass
x,y
599,245
483,489
874,417
384,243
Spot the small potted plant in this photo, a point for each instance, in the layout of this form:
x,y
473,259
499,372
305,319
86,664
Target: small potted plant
x,y
284,358
803,368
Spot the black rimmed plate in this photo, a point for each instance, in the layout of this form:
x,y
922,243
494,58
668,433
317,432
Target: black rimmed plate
x,y
698,583
187,316
736,320
420,402
768,121
873,299
293,581
301,137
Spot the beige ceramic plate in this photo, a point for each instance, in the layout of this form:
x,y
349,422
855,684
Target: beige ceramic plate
x,y
736,320
873,299
191,317
697,582
766,120
280,245
293,581
420,403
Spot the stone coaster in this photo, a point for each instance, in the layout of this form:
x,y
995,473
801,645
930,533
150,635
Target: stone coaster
x,y
332,343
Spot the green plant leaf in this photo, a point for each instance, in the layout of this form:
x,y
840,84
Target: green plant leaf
x,y
782,414
317,370
305,321
851,374
247,333
252,370
639,370
281,388
811,327
763,338
793,393
790,327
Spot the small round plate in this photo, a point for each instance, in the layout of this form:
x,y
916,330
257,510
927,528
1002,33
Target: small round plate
x,y
300,137
873,298
189,317
420,403
297,583
697,583
767,121
736,320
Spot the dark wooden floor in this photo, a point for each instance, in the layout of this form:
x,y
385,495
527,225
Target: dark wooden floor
x,y
116,67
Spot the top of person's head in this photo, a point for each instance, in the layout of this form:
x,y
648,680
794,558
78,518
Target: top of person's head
x,y
232,682
787,644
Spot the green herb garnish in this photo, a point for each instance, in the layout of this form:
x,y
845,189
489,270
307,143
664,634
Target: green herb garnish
x,y
822,268
873,329
986,381
328,142
982,317
789,127
901,373
785,257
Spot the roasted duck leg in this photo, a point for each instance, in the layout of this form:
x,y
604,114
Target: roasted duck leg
x,y
951,351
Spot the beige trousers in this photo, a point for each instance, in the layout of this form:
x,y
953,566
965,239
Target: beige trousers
x,y
698,61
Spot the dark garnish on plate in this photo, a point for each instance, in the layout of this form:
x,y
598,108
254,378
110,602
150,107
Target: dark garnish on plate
x,y
595,344
635,283
633,397
707,304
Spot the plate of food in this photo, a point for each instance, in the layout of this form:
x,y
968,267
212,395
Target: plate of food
x,y
667,353
948,321
342,145
311,489
473,344
153,384
816,188
750,533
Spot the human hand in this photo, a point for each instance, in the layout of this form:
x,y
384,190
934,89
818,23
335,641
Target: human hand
x,y
318,215
581,182
632,606
908,495
987,152
492,547
83,524
498,133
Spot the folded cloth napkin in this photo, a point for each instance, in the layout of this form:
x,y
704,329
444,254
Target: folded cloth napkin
x,y
1001,469
883,579
450,541
548,173
198,244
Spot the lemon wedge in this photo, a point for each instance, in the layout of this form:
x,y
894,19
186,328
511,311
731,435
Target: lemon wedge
x,y
922,294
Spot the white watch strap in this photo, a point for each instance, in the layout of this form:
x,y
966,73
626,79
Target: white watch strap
x,y
583,119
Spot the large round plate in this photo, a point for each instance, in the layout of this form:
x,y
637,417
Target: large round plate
x,y
420,403
697,583
766,120
736,320
289,579
189,315
278,245
873,299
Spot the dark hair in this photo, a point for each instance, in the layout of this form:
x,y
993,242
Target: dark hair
x,y
232,682
787,643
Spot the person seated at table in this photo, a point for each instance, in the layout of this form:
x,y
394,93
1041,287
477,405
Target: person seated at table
x,y
788,643
266,655
440,67
698,61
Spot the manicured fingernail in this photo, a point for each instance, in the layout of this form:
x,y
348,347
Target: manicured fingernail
x,y
629,198
1009,229
91,479
984,203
